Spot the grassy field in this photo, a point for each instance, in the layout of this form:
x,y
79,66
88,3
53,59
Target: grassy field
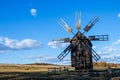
x,y
24,68
40,72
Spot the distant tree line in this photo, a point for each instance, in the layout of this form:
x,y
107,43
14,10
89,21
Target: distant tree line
x,y
104,64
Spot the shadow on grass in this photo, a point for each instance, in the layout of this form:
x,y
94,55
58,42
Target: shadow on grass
x,y
32,76
56,76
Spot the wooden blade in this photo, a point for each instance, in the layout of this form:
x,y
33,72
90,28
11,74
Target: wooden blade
x,y
65,52
78,20
65,25
98,38
91,24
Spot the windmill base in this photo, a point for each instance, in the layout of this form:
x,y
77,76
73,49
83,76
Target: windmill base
x,y
82,68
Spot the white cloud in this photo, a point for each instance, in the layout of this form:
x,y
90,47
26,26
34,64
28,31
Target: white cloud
x,y
111,58
47,59
12,44
36,57
119,15
24,44
117,42
111,53
57,44
111,49
33,12
54,60
1,39
93,47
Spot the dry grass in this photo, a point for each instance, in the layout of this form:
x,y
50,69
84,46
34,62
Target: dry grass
x,y
27,68
39,72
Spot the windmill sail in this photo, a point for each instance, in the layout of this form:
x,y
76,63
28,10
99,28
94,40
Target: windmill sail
x,y
78,19
67,50
64,53
65,25
95,56
98,38
91,24
63,40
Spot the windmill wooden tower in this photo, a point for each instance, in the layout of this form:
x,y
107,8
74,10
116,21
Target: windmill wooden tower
x,y
80,47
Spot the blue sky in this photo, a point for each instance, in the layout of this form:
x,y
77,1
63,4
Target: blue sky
x,y
27,28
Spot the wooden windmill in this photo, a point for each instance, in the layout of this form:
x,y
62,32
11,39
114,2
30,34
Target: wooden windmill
x,y
80,47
